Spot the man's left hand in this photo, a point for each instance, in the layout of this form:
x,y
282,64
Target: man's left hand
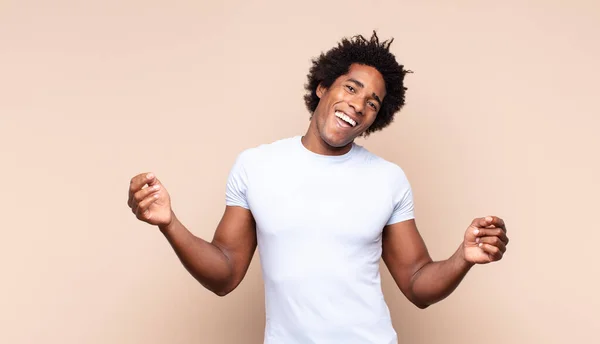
x,y
485,240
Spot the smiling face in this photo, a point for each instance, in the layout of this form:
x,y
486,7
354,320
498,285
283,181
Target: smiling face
x,y
346,109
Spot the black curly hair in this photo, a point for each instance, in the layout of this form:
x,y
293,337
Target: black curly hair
x,y
329,66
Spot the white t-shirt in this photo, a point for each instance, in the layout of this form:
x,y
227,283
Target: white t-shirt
x,y
319,226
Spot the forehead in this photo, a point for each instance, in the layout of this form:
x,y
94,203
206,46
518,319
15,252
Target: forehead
x,y
369,76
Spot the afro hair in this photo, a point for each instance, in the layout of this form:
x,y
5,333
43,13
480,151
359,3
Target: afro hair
x,y
371,52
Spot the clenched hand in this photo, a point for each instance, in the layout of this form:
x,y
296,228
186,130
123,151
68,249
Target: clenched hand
x,y
485,240
149,200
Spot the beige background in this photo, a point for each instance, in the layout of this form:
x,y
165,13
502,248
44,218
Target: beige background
x,y
501,118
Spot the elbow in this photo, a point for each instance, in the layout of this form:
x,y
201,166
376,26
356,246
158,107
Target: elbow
x,y
221,293
424,303
421,305
219,290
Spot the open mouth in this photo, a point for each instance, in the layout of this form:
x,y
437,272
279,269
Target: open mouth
x,y
345,118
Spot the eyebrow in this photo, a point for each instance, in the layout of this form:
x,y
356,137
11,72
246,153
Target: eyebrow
x,y
361,85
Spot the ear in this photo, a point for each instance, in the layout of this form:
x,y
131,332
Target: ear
x,y
321,90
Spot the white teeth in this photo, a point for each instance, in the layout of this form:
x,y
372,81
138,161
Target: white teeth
x,y
345,118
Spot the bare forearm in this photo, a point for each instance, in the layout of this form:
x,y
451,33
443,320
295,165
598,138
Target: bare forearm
x,y
437,280
203,260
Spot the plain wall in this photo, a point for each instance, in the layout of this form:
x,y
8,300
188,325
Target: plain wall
x,y
501,118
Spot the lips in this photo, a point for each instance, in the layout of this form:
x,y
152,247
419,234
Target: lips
x,y
345,118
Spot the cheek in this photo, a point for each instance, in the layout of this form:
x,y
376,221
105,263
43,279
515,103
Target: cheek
x,y
369,119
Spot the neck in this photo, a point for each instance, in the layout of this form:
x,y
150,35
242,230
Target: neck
x,y
313,141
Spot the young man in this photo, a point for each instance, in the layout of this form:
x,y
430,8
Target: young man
x,y
323,211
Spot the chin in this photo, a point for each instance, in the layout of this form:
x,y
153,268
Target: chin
x,y
335,136
336,141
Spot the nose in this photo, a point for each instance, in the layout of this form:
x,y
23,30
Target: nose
x,y
357,104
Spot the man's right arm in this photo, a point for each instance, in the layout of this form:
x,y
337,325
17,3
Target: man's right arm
x,y
219,265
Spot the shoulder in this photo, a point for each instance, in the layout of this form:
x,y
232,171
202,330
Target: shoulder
x,y
265,152
384,169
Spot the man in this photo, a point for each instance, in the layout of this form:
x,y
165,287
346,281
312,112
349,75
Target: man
x,y
323,211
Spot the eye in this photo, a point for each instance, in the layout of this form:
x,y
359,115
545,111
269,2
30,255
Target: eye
x,y
350,88
372,105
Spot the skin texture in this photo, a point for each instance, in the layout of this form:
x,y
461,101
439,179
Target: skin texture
x,y
221,264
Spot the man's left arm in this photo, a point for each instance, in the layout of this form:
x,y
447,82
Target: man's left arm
x,y
425,282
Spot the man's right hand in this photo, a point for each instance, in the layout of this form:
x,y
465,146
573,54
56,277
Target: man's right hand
x,y
149,200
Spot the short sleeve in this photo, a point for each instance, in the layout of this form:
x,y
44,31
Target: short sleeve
x,y
403,200
237,184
